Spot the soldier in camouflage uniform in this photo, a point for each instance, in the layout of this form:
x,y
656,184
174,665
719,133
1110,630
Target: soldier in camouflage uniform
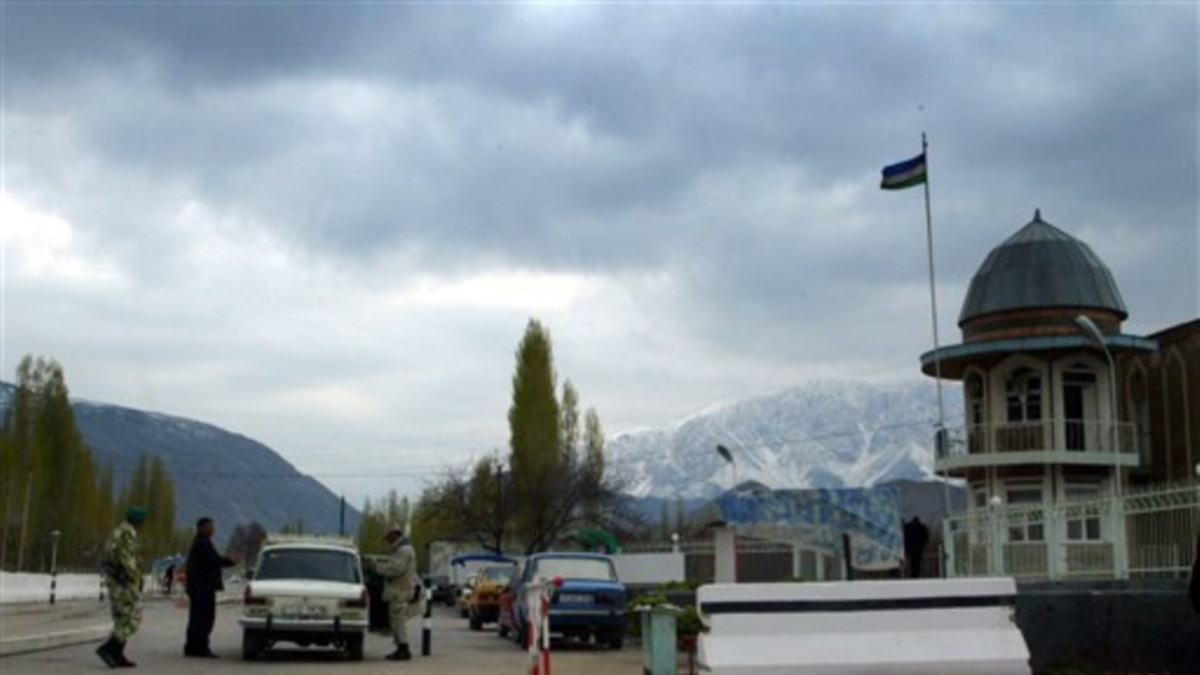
x,y
401,589
123,577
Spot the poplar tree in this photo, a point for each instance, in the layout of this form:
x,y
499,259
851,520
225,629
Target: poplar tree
x,y
534,438
158,534
547,487
569,426
371,528
592,481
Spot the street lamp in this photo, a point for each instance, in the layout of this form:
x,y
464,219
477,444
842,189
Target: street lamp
x,y
54,563
728,457
727,535
995,559
1097,339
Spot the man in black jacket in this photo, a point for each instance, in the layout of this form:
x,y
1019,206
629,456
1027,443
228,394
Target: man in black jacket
x,y
203,581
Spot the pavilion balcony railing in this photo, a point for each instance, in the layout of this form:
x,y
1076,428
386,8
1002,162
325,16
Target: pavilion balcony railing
x,y
1100,439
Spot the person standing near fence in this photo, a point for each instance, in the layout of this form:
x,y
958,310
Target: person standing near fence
x,y
401,589
916,537
123,578
204,579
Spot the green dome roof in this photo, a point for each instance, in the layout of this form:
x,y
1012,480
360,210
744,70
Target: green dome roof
x,y
1039,267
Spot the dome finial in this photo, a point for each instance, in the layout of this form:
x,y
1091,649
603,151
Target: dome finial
x,y
1037,215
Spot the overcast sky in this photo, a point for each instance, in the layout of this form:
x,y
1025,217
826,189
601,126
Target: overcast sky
x,y
326,225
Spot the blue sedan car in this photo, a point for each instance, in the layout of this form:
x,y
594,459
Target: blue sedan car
x,y
589,603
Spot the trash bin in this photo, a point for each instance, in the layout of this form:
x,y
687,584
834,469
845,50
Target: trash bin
x,y
658,639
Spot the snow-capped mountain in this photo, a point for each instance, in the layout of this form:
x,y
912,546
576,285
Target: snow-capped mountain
x,y
823,434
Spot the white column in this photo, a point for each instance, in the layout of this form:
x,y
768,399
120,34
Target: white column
x,y
948,563
725,548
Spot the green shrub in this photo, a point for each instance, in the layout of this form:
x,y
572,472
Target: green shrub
x,y
688,623
634,617
687,620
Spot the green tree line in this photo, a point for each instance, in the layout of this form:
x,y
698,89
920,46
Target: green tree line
x,y
50,482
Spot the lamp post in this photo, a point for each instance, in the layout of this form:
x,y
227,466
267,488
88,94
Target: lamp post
x,y
1097,339
726,538
728,457
54,563
995,559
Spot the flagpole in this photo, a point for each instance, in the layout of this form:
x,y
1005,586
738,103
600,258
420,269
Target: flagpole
x,y
940,437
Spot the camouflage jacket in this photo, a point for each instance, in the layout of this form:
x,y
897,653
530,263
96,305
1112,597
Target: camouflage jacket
x,y
121,552
399,571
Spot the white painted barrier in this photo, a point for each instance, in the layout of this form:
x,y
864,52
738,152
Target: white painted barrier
x,y
902,627
649,568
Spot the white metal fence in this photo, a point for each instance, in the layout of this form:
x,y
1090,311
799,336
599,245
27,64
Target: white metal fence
x,y
1076,540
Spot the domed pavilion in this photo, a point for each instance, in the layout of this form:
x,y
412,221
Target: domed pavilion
x,y
1039,361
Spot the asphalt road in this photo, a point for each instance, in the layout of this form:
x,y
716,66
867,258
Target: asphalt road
x,y
457,650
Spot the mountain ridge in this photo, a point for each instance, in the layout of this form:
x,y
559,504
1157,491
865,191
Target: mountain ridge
x,y
217,473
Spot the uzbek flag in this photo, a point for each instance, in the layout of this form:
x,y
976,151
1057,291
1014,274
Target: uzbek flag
x,y
904,174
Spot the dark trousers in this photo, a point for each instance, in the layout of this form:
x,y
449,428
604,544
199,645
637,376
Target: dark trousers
x,y
202,614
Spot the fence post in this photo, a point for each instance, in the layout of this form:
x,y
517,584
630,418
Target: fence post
x,y
948,566
427,624
537,610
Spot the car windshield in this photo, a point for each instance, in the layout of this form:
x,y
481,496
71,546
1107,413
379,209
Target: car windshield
x,y
299,563
499,574
575,568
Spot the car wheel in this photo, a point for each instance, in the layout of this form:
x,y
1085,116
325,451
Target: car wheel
x,y
616,642
475,622
354,647
252,644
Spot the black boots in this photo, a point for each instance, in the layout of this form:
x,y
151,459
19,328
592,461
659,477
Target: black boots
x,y
401,654
108,652
113,654
121,660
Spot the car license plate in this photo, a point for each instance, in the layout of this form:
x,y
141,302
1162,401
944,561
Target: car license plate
x,y
303,611
575,598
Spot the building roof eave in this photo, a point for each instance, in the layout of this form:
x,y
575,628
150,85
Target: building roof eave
x,y
953,359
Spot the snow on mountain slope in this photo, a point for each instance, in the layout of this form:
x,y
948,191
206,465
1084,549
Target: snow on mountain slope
x,y
822,434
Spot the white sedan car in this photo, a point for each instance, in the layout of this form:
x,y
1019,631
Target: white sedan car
x,y
307,591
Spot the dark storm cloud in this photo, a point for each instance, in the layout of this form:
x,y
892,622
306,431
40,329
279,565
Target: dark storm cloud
x,y
194,44
589,137
289,217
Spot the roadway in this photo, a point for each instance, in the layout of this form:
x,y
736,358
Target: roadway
x,y
457,650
